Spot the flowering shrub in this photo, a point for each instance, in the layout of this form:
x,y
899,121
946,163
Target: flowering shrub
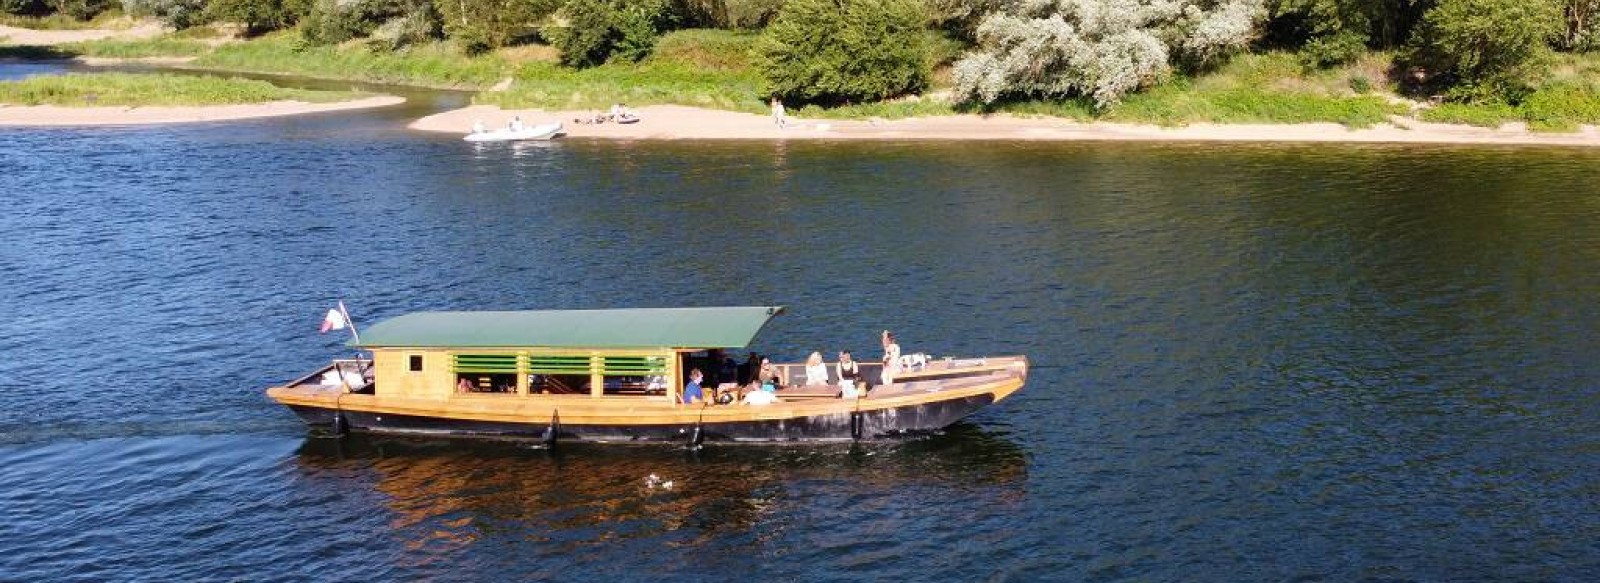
x,y
1103,49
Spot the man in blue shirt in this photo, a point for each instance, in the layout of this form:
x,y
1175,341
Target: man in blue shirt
x,y
691,391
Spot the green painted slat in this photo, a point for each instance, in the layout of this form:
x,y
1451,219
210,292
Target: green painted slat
x,y
490,363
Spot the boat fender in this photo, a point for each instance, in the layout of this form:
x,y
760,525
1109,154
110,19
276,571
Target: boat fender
x,y
341,425
855,425
698,437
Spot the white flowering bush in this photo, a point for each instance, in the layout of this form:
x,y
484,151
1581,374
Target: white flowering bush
x,y
1102,49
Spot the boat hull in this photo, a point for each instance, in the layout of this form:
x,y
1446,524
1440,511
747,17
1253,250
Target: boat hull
x,y
843,425
919,402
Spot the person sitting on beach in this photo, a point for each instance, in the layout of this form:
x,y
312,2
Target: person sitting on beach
x,y
691,391
516,124
891,358
816,371
616,112
478,127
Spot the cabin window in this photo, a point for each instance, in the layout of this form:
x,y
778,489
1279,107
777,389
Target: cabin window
x,y
558,375
634,375
485,373
416,363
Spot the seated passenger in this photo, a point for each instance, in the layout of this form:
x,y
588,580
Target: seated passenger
x,y
768,376
760,398
691,391
464,386
816,372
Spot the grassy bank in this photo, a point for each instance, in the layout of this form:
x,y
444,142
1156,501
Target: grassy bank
x,y
130,89
436,65
714,69
702,68
1568,98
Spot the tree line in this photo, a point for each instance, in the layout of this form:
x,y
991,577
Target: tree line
x,y
842,51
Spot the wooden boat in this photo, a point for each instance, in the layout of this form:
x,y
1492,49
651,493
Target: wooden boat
x,y
616,376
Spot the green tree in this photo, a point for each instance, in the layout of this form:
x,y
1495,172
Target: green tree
x,y
599,31
1487,49
480,25
257,16
80,9
834,51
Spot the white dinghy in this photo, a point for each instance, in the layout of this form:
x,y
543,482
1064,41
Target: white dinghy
x,y
538,132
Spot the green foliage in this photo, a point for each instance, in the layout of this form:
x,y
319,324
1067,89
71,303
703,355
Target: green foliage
x,y
1486,49
431,65
129,89
481,25
653,81
80,9
1562,107
25,7
179,14
1556,107
729,14
1332,50
819,51
599,31
134,49
390,24
706,49
257,16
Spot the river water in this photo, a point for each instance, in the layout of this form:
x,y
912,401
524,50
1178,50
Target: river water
x,y
1252,362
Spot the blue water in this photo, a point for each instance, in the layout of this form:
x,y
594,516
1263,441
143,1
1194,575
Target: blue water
x,y
1252,362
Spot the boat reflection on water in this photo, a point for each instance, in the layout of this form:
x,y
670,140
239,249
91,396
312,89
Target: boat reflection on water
x,y
457,493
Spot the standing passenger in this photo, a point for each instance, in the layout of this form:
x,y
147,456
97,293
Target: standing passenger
x,y
891,358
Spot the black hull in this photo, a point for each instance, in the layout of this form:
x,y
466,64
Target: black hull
x,y
843,426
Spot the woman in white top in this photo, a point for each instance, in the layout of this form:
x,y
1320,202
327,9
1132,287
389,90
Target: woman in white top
x,y
816,372
891,358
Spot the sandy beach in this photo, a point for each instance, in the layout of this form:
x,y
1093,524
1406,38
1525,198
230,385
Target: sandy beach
x,y
672,122
11,35
52,115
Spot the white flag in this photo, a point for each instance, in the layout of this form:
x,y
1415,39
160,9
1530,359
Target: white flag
x,y
334,321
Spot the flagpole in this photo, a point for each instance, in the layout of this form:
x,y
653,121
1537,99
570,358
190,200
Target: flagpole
x,y
349,322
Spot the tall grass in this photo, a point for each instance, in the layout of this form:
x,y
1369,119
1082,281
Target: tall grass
x,y
133,49
436,65
132,89
110,19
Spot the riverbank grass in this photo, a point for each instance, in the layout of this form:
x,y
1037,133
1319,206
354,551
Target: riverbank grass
x,y
437,65
700,68
134,89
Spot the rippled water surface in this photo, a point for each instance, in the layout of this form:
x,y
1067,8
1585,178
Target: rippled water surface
x,y
1252,362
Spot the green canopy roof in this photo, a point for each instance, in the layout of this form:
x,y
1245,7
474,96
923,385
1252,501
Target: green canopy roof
x,y
731,327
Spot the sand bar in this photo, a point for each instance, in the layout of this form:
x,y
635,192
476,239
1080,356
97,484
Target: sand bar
x,y
673,122
54,115
11,35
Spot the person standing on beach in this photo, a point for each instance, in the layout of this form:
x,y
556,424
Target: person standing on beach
x,y
778,115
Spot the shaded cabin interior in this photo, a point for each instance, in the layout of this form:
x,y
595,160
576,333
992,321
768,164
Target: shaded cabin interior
x,y
601,353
